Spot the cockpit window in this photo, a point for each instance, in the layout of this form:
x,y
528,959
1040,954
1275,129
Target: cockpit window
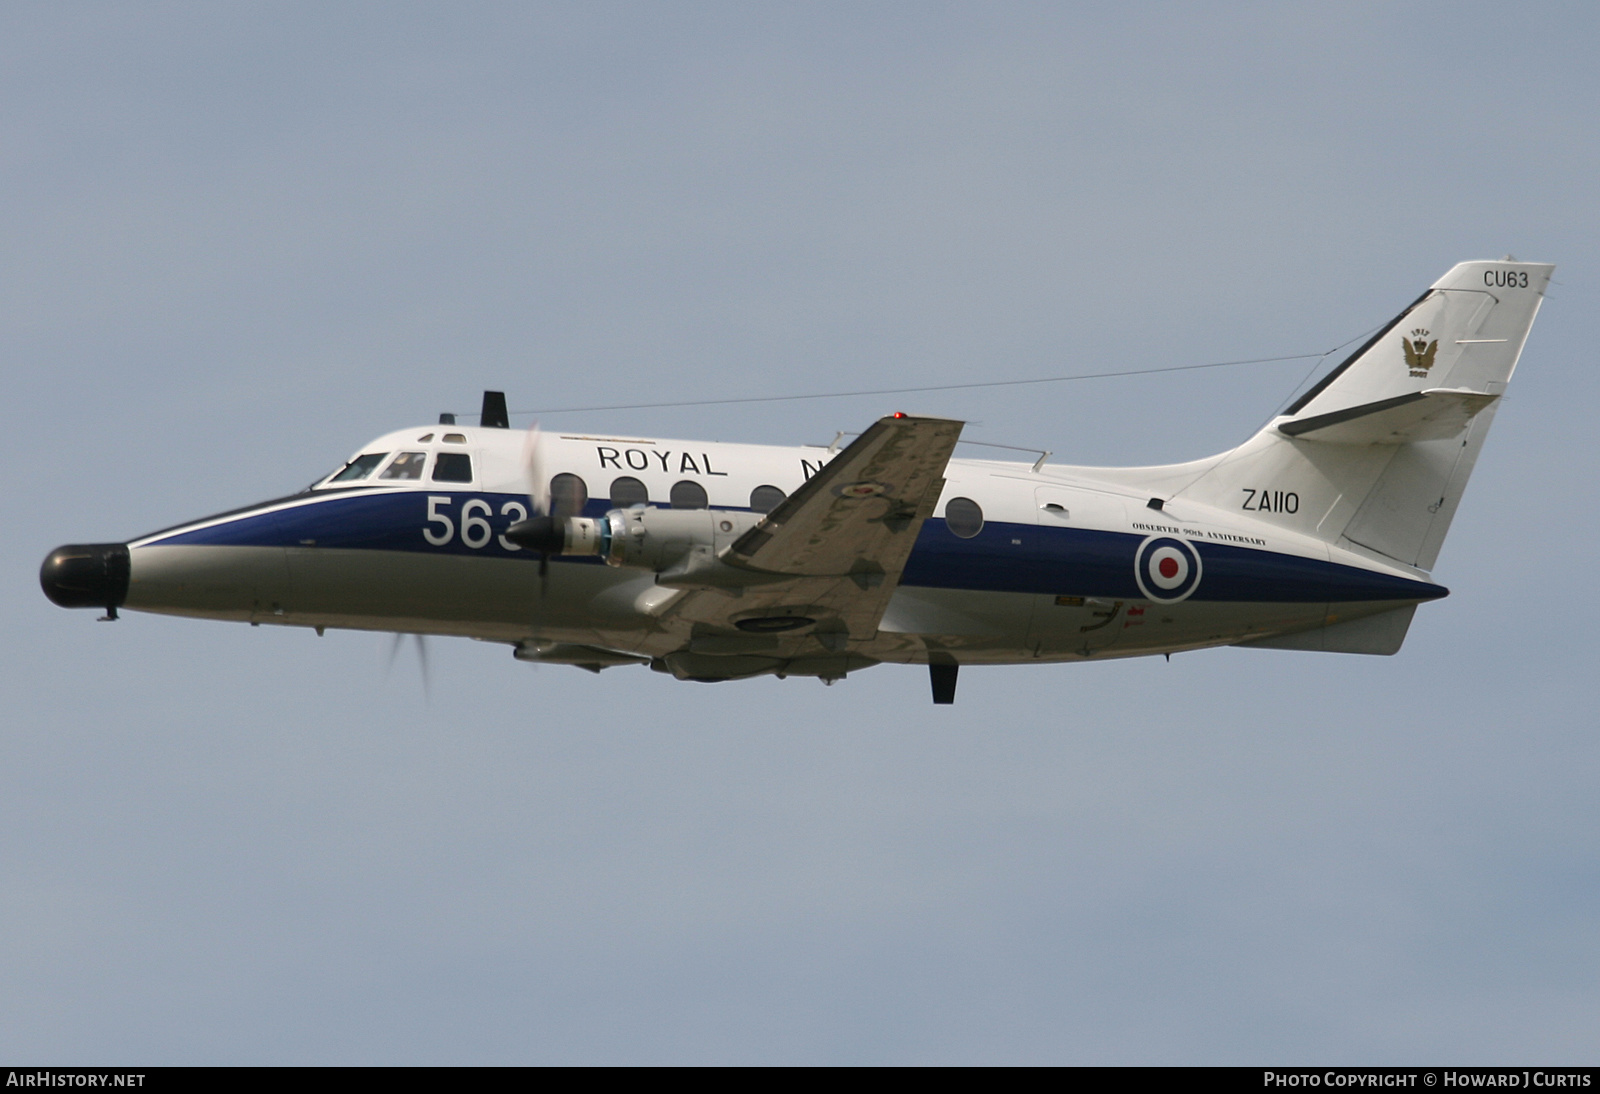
x,y
407,465
360,467
452,467
455,438
425,438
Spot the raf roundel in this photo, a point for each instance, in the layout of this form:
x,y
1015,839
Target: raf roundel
x,y
1167,569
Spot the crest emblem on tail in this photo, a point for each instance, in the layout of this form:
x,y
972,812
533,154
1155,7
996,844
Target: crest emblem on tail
x,y
1419,352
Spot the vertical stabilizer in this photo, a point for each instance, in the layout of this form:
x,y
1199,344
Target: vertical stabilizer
x,y
1377,455
1465,333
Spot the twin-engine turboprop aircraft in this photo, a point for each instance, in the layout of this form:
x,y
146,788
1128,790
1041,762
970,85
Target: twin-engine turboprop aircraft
x,y
720,561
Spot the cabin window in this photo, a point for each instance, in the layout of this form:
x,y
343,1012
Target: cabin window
x,y
454,438
360,467
627,492
452,467
407,465
689,495
568,495
963,517
764,499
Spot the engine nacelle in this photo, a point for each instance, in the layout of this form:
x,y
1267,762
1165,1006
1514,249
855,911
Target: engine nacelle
x,y
640,538
661,539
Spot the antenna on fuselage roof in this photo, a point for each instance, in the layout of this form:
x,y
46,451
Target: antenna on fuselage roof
x,y
494,415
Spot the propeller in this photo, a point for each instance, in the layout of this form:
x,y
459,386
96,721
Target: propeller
x,y
422,661
533,463
543,531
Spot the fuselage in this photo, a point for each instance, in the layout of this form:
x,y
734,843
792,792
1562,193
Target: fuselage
x,y
1016,564
719,561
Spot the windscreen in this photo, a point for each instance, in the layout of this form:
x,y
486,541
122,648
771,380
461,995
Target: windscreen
x,y
407,465
360,467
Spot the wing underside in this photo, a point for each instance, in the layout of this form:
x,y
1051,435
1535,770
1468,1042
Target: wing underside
x,y
819,570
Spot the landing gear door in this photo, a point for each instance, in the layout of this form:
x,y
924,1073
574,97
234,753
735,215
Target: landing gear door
x,y
1076,561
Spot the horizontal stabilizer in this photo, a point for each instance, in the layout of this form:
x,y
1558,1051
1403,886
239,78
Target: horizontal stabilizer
x,y
1435,414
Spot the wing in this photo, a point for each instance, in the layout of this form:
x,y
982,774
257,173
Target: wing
x,y
824,563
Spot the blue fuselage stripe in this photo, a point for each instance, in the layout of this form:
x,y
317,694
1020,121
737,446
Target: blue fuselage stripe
x,y
1002,557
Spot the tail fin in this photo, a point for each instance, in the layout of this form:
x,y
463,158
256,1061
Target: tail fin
x,y
1377,454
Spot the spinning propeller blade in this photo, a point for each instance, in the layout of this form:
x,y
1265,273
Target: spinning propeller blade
x,y
422,661
533,462
541,532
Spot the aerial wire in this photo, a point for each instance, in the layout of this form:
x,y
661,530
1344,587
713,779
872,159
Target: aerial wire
x,y
1321,357
1318,364
1315,358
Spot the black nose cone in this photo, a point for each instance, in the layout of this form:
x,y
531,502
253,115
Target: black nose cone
x,y
86,575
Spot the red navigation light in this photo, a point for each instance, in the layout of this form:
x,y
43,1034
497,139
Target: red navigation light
x,y
899,414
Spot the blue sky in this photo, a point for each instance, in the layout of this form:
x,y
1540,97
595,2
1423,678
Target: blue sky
x,y
242,239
